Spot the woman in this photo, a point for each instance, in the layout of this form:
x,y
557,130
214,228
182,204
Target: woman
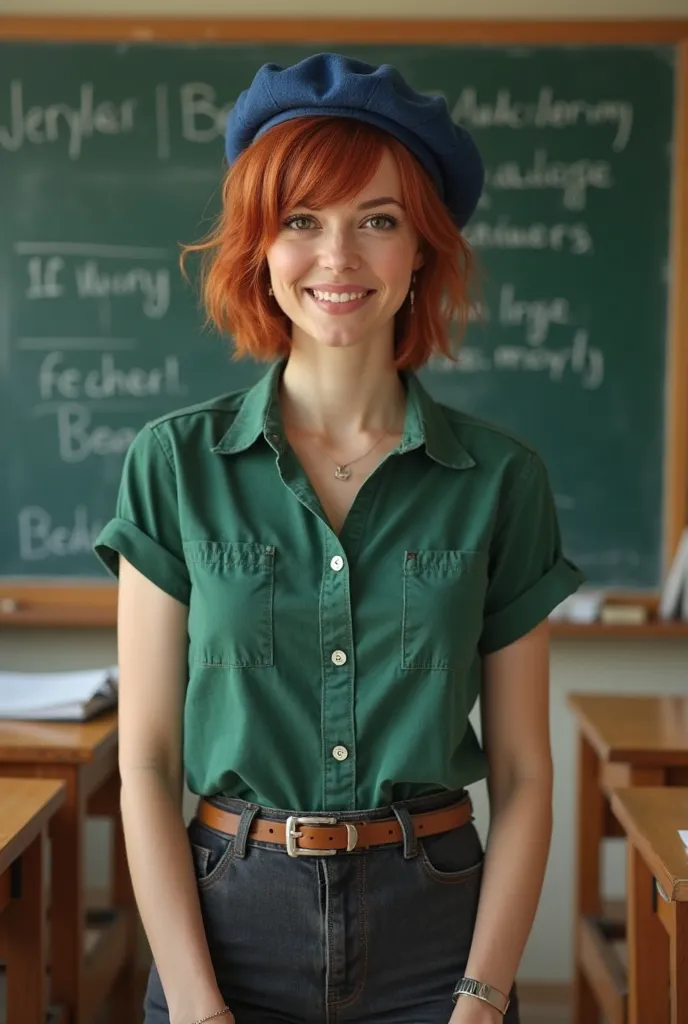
x,y
318,576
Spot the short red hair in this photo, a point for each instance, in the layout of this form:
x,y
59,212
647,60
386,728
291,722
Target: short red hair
x,y
316,162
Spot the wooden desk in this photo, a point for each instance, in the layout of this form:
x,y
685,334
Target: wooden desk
x,y
26,807
622,741
84,757
657,924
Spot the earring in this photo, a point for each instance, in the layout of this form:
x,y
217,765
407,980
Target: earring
x,y
270,291
412,294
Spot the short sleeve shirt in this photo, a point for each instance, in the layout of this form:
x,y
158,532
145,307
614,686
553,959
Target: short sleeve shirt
x,y
337,672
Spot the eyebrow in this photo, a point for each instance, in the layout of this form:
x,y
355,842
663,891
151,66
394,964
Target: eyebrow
x,y
382,201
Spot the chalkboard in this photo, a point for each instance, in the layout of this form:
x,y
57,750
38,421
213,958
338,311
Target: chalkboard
x,y
111,154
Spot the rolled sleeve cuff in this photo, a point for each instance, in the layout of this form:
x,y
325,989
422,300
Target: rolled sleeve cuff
x,y
518,618
120,537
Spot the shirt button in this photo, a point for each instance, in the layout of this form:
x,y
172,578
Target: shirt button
x,y
337,563
340,753
339,658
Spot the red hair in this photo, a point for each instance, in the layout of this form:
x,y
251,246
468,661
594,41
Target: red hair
x,y
316,162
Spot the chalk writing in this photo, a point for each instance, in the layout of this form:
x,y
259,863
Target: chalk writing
x,y
78,439
40,538
153,286
503,234
547,111
579,359
108,380
38,125
203,119
50,278
572,179
536,315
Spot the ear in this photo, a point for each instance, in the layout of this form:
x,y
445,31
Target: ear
x,y
418,260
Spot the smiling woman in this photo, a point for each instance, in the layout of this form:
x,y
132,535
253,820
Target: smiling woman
x,y
279,185
319,576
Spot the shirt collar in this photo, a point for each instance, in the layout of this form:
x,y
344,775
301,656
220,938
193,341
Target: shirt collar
x,y
258,414
425,422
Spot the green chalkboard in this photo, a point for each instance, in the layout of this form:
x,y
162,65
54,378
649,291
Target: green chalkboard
x,y
110,155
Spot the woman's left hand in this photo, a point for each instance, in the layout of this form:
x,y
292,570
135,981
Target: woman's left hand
x,y
474,1011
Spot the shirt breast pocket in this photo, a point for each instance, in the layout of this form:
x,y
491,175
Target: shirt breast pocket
x,y
231,604
443,598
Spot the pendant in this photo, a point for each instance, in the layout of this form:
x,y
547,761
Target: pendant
x,y
342,472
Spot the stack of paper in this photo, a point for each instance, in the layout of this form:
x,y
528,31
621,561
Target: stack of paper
x,y
57,696
583,606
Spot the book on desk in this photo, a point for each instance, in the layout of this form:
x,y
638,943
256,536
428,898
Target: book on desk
x,y
58,696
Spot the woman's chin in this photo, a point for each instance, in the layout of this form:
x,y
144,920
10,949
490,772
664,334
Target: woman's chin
x,y
334,339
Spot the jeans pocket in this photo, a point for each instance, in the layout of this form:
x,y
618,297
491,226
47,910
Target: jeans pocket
x,y
231,603
443,598
452,857
211,852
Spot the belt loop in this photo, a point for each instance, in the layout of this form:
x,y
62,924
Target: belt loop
x,y
247,815
403,816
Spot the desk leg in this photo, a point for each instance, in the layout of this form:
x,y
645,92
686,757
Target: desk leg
x,y
124,994
589,834
25,947
67,898
679,964
648,947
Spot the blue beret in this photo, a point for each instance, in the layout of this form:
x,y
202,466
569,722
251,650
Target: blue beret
x,y
328,84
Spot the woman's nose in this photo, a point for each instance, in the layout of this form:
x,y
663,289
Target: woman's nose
x,y
339,251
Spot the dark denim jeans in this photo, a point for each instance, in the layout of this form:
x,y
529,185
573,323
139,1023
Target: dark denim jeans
x,y
376,937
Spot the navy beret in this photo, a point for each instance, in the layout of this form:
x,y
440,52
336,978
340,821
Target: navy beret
x,y
328,84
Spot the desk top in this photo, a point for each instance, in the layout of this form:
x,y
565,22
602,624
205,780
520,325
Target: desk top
x,y
633,728
25,807
651,817
57,742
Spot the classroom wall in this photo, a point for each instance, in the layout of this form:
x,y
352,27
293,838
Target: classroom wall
x,y
601,665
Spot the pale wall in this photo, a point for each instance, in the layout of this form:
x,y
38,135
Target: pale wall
x,y
615,666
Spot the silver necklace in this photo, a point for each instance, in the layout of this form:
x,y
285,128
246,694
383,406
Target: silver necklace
x,y
343,472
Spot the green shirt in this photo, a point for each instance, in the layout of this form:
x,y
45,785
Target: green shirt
x,y
334,672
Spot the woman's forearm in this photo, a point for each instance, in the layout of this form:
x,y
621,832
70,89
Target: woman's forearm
x,y
515,860
166,894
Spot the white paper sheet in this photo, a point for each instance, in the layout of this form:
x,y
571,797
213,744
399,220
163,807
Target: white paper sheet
x,y
35,691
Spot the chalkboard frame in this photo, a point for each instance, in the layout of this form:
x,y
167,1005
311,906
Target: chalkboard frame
x,y
62,603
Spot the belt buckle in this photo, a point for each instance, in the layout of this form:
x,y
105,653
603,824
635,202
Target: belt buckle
x,y
292,834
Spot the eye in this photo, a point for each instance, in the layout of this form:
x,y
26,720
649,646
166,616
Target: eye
x,y
388,221
291,222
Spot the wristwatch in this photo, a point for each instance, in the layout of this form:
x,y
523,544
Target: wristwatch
x,y
479,990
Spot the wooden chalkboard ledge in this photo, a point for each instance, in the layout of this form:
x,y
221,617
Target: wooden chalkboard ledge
x,y
95,607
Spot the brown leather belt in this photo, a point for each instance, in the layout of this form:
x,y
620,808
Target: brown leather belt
x,y
318,835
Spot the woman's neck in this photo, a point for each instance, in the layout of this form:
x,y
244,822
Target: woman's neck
x,y
340,398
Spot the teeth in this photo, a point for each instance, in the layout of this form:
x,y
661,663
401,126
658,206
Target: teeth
x,y
335,297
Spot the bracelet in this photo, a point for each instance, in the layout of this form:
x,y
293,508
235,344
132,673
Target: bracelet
x,y
220,1013
480,990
